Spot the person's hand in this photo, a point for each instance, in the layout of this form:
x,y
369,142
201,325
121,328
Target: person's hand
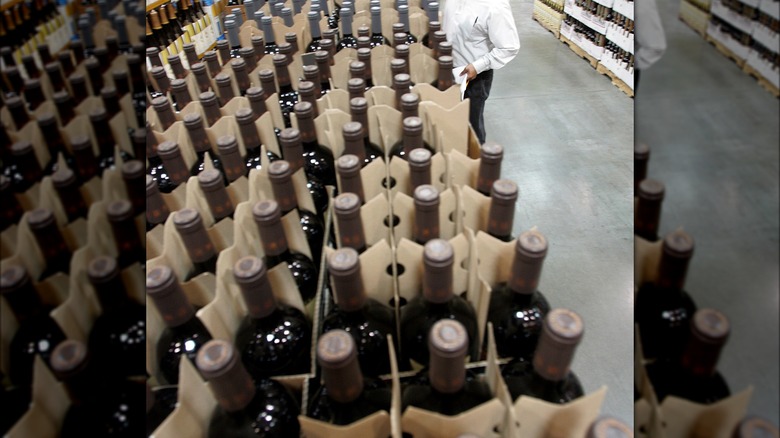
x,y
469,71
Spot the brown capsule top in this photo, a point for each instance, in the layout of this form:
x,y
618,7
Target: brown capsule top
x,y
102,269
164,290
651,189
561,333
40,218
438,258
280,173
337,355
344,268
426,197
69,358
348,168
220,364
63,177
251,275
709,331
419,160
448,345
13,278
119,210
292,148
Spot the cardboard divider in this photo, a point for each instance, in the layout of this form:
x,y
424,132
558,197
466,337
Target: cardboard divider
x,y
194,407
447,99
339,71
475,208
541,419
337,99
486,420
423,68
399,171
80,125
376,271
32,133
462,170
373,214
403,208
446,129
381,95
7,121
8,241
49,405
381,73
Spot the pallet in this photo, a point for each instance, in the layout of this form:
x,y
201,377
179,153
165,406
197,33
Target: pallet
x,y
688,11
616,81
548,26
725,51
579,51
768,86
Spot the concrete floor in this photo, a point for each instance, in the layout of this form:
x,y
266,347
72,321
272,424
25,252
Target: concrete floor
x,y
568,136
713,134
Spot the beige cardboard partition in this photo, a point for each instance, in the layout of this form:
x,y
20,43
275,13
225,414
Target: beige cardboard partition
x,y
381,95
446,129
399,171
49,405
475,208
376,267
423,68
462,170
402,206
486,420
381,73
328,127
8,241
373,214
335,99
540,419
647,256
194,408
32,133
339,71
80,125
447,99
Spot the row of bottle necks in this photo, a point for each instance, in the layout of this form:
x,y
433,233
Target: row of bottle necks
x,y
166,36
680,343
768,54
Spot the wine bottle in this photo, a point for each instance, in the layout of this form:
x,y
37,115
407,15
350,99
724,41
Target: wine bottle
x,y
164,111
98,407
98,118
348,168
347,39
248,130
412,138
273,338
210,105
434,25
12,211
307,92
64,104
173,170
641,157
288,97
323,64
280,173
16,107
445,386
224,88
268,36
212,184
293,153
24,170
419,167
268,216
650,195
662,308
693,376
410,106
490,156
517,308
503,197
426,214
184,333
367,320
177,67
180,93
403,18
356,143
85,159
95,75
347,395
356,88
156,209
445,49
52,245
318,160
197,242
201,143
437,301
122,219
37,333
377,39
548,377
240,72
160,403
314,29
118,335
346,208
445,79
212,62
245,407
33,94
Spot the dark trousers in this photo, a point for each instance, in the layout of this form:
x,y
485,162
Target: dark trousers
x,y
477,92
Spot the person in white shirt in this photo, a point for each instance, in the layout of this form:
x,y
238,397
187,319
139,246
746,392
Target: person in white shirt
x,y
484,38
650,42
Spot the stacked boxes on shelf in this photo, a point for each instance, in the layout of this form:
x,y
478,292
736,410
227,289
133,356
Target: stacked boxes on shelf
x,y
696,14
549,13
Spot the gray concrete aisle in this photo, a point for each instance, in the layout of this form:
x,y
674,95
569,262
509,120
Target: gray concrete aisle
x,y
568,135
713,134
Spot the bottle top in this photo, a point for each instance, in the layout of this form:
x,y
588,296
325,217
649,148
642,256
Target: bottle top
x,y
102,270
267,211
40,218
280,173
210,179
561,333
609,427
220,364
69,358
63,177
358,105
426,197
641,151
337,355
347,205
251,275
504,191
438,258
119,210
164,289
448,344
709,331
678,244
133,169
344,268
651,190
13,278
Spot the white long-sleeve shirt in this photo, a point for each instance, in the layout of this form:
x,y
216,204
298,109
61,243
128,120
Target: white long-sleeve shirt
x,y
650,41
482,33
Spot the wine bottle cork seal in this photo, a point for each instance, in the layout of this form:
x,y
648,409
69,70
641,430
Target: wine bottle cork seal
x,y
358,105
356,86
178,84
120,210
198,67
364,53
321,55
352,130
158,73
244,115
119,75
168,149
651,189
21,147
531,246
356,67
561,333
102,269
40,218
227,144
710,326
445,61
563,327
756,427
222,79
109,92
238,64
303,109
267,211
426,197
188,220
419,160
402,51
132,170
33,84
250,274
80,142
504,191
678,244
151,186
280,60
641,151
445,48
13,278
347,205
61,97
161,282
160,103
608,427
336,349
219,362
253,93
413,125
344,262
210,180
448,338
438,253
193,121
399,64
306,88
69,358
